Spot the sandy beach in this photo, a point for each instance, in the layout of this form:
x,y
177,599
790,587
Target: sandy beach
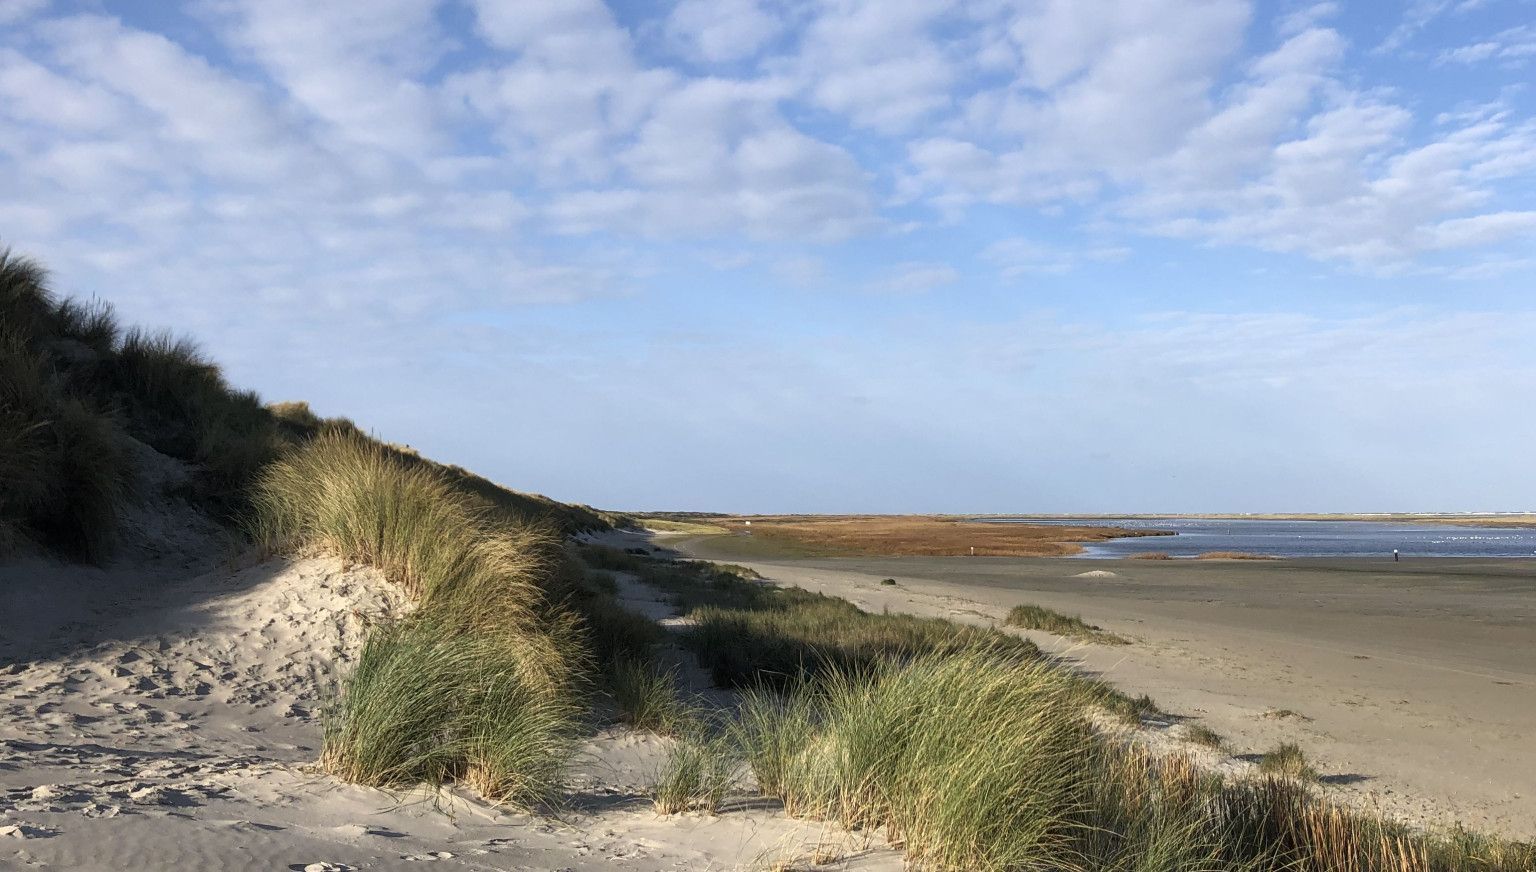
x,y
1411,685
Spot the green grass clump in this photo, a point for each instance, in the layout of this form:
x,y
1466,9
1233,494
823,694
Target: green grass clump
x,y
347,495
969,759
694,776
429,704
804,633
613,633
975,762
647,697
480,683
64,470
180,404
748,632
980,758
63,464
612,559
1289,761
1204,736
1030,617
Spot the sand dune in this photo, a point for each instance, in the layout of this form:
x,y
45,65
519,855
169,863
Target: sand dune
x,y
169,723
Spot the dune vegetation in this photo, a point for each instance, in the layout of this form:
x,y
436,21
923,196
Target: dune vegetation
x,y
974,752
482,683
1032,617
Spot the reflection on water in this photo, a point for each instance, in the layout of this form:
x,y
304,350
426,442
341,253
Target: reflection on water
x,y
1309,538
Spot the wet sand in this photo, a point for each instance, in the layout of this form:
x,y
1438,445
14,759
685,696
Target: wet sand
x,y
1411,685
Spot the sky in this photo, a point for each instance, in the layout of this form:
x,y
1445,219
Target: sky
x,y
825,255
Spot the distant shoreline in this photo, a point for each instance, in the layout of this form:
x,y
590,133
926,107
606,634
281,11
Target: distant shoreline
x,y
1469,519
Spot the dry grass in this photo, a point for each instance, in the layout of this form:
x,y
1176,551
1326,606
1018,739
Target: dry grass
x,y
923,535
1234,555
1150,555
668,525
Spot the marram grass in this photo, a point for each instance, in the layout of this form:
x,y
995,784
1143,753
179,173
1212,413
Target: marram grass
x,y
972,762
1032,617
694,776
982,756
480,684
647,697
426,704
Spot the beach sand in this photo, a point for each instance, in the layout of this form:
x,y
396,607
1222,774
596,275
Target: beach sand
x,y
1412,686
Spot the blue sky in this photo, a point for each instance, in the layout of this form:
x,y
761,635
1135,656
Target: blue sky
x,y
747,255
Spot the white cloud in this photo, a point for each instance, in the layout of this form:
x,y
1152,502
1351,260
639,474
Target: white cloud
x,y
914,277
878,64
211,117
1416,17
13,11
1306,18
351,66
1514,46
1481,230
30,92
390,145
721,31
1351,189
1021,256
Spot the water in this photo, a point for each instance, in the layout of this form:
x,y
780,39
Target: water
x,y
1309,538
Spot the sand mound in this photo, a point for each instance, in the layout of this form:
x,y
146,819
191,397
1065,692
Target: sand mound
x,y
1097,573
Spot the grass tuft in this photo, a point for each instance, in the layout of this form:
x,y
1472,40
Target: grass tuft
x,y
64,465
1032,617
479,684
694,776
1203,736
647,698
1287,760
427,704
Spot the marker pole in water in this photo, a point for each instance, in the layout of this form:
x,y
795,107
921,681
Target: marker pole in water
x,y
1394,555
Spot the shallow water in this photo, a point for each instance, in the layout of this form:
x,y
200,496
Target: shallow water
x,y
1310,538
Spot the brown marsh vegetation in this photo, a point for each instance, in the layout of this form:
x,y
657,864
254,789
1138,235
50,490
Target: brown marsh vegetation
x,y
920,535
